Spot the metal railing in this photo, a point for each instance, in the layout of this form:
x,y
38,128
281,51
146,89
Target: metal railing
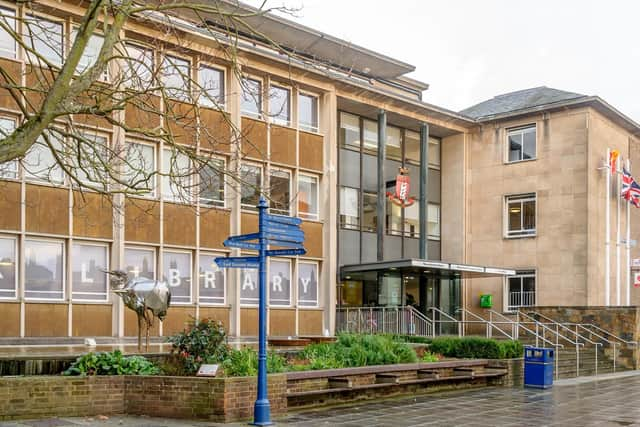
x,y
521,299
383,320
489,325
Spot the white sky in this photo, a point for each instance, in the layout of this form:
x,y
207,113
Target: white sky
x,y
469,50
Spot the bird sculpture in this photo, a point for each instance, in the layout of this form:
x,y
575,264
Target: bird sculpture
x,y
148,298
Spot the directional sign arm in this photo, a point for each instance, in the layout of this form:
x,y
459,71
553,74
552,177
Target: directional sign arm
x,y
286,252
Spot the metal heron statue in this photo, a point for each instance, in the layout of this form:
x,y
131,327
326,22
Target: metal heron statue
x,y
148,298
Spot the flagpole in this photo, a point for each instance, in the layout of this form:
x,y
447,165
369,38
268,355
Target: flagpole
x,y
618,237
628,246
607,232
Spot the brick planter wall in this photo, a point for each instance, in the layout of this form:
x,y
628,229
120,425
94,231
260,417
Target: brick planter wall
x,y
515,372
48,396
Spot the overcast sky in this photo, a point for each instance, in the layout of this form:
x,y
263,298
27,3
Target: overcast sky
x,y
469,50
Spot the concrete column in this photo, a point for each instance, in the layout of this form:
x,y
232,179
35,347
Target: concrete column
x,y
382,189
424,191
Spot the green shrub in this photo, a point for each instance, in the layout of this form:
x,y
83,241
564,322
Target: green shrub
x,y
244,363
204,341
112,363
430,357
476,348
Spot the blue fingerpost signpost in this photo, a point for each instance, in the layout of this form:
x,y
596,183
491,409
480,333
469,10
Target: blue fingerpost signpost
x,y
274,230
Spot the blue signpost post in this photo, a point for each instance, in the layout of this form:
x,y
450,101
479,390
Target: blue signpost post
x,y
274,230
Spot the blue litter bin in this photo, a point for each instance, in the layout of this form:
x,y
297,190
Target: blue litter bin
x,y
538,367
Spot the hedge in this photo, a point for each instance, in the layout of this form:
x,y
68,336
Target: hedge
x,y
476,348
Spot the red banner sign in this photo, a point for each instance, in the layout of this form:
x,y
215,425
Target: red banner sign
x,y
401,196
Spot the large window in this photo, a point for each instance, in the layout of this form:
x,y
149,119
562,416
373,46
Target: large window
x,y
349,208
280,182
90,53
412,220
308,112
212,280
434,152
370,135
88,169
307,284
394,218
394,143
7,41
211,81
8,268
308,196
349,131
140,168
39,162
45,38
176,268
280,105
369,212
251,183
176,176
521,215
88,265
44,269
522,290
8,169
522,143
412,146
212,183
433,221
138,67
249,292
251,104
176,77
279,282
140,262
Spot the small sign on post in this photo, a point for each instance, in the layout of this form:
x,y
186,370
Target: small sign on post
x,y
274,230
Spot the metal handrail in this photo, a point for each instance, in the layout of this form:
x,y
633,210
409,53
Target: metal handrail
x,y
519,324
622,340
489,324
452,319
560,325
514,325
556,333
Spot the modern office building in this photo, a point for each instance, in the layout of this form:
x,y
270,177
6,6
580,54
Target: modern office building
x,y
404,203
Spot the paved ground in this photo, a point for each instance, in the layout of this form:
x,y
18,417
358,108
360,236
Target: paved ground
x,y
609,401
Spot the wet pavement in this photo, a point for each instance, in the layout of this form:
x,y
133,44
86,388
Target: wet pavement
x,y
610,400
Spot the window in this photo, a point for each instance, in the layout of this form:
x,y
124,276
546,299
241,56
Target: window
x,y
279,282
39,162
412,220
8,169
8,268
280,105
370,140
369,212
349,131
280,181
7,41
88,263
176,77
412,147
307,284
212,280
251,185
251,104
522,143
140,262
89,170
434,152
211,81
45,38
349,208
521,215
90,54
138,67
393,144
394,218
308,112
249,291
522,290
212,183
44,269
433,221
140,168
308,196
176,176
177,273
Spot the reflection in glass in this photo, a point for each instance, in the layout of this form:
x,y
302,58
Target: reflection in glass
x,y
308,112
8,268
280,191
308,196
88,263
212,183
308,284
279,107
177,273
251,177
279,282
176,77
212,280
251,104
211,81
349,131
140,263
44,275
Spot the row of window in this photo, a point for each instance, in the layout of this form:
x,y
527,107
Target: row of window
x,y
357,133
356,217
45,277
178,181
138,70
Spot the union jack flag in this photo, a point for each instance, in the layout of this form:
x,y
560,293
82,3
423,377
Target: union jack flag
x,y
630,188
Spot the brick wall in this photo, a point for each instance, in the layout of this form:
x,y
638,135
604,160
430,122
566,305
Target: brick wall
x,y
44,396
515,372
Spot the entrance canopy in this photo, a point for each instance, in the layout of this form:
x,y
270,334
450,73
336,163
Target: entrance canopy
x,y
435,268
